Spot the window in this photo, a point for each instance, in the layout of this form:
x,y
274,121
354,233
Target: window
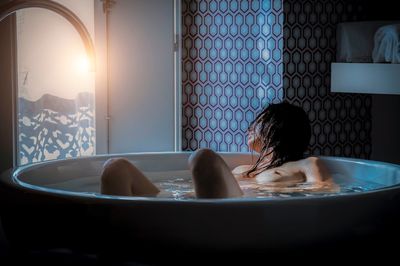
x,y
56,89
66,111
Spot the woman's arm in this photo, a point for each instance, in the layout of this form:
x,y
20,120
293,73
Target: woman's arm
x,y
311,170
315,170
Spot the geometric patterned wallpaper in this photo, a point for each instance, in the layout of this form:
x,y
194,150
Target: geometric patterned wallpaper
x,y
341,123
232,68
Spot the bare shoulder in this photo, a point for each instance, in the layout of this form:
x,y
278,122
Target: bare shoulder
x,y
314,161
308,162
316,169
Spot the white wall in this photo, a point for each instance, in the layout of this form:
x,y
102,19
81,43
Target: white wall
x,y
386,128
6,98
142,76
101,78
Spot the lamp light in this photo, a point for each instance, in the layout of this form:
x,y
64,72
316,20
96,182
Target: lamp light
x,y
13,6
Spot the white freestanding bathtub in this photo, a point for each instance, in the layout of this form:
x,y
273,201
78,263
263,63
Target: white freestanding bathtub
x,y
56,204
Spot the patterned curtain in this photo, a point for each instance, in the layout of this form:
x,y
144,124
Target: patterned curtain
x,y
55,128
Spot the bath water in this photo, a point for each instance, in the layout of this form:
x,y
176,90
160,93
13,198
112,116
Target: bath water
x,y
179,185
181,188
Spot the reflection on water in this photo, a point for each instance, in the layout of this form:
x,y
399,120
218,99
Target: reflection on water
x,y
178,185
182,188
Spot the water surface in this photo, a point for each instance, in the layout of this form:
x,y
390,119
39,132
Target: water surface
x,y
179,185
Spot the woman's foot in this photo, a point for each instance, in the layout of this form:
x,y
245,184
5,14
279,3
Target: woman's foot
x,y
212,177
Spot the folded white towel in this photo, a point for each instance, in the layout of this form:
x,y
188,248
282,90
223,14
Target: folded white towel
x,y
355,40
387,44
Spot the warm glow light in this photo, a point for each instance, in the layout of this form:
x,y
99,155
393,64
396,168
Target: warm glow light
x,y
83,64
54,60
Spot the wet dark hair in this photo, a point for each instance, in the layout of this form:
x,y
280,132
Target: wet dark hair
x,y
284,131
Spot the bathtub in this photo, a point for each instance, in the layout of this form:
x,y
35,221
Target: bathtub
x,y
55,205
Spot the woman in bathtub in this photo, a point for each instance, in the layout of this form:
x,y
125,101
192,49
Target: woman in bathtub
x,y
280,135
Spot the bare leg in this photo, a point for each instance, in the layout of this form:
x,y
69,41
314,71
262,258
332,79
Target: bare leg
x,y
212,178
122,178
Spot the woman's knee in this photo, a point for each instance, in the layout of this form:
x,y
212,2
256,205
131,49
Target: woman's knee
x,y
115,174
121,177
202,155
212,177
116,163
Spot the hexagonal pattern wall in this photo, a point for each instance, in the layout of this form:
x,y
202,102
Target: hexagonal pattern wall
x,y
232,68
341,123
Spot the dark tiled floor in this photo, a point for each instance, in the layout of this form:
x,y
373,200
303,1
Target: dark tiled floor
x,y
311,256
61,258
384,248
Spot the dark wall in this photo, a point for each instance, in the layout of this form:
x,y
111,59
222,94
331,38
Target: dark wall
x,y
6,77
385,108
386,128
6,83
341,123
218,106
354,125
381,10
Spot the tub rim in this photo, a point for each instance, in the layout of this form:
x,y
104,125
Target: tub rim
x,y
10,178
